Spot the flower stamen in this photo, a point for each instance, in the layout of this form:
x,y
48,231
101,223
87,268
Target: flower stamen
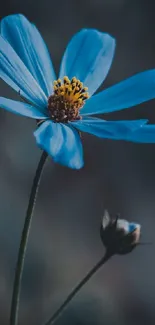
x,y
68,98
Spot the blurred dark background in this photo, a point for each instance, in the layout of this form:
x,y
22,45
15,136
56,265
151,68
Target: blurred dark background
x,y
64,240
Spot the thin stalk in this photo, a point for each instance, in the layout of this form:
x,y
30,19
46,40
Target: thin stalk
x,y
65,304
24,241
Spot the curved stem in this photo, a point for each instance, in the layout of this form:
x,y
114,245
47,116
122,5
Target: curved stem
x,y
59,311
24,241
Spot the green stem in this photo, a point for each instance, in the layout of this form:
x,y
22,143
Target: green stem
x,y
24,241
59,311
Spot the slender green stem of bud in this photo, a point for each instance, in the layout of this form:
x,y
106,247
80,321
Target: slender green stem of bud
x,y
24,241
60,310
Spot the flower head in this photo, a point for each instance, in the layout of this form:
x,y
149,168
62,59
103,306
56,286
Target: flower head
x,y
119,236
65,105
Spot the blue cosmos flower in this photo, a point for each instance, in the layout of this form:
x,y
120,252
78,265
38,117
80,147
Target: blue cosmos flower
x,y
64,106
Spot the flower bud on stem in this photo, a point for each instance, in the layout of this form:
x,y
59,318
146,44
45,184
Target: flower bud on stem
x,y
118,237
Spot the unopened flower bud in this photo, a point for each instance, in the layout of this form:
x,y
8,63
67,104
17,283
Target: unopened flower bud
x,y
119,236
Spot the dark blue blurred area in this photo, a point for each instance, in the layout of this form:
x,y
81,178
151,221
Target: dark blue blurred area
x,y
64,240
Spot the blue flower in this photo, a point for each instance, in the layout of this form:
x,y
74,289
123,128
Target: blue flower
x,y
65,106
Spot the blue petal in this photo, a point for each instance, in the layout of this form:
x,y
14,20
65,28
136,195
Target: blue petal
x,y
117,130
88,57
130,92
21,108
132,227
145,134
14,73
62,142
30,47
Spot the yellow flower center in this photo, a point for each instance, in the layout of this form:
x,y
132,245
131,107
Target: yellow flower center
x,y
69,96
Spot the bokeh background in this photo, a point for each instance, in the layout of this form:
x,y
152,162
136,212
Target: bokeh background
x,y
64,240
